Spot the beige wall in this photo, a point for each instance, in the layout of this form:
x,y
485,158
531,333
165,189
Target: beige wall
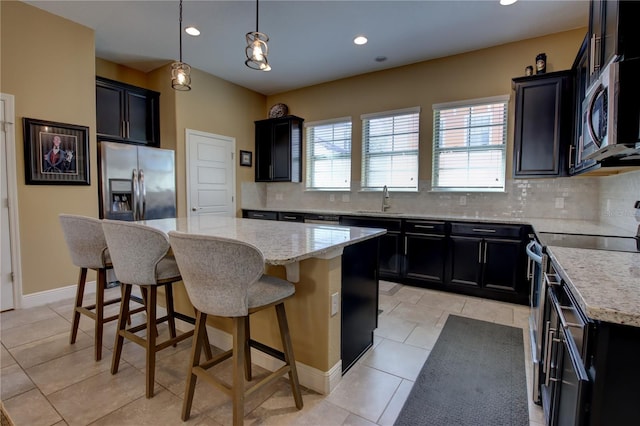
x,y
477,74
216,106
48,64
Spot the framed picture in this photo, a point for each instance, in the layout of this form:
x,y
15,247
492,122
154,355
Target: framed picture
x,y
55,153
245,158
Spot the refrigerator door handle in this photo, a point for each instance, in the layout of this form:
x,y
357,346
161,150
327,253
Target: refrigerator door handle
x,y
136,194
143,195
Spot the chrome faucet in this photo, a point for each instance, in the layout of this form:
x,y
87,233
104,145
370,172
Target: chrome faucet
x,y
385,198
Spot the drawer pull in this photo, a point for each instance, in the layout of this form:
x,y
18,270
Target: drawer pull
x,y
425,226
289,217
483,230
258,215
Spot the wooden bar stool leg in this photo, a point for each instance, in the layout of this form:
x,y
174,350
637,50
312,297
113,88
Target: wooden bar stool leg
x,y
288,354
98,326
152,299
122,324
82,278
237,393
247,349
206,346
168,292
199,338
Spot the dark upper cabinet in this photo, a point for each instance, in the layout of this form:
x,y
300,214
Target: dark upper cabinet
x,y
613,31
580,71
543,124
279,149
126,113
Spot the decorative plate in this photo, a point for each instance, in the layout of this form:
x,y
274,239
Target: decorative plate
x,y
278,110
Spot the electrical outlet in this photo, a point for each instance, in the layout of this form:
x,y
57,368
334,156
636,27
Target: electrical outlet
x,y
346,198
278,196
332,197
559,203
335,303
463,200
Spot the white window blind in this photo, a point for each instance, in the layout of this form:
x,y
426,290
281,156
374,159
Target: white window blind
x,y
469,145
390,149
329,154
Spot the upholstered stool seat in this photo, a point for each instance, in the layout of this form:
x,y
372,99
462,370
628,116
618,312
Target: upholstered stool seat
x,y
225,278
88,250
140,256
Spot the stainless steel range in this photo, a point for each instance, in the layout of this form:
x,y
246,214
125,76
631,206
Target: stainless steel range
x,y
538,265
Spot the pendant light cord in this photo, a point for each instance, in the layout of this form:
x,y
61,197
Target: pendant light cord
x,y
257,15
180,30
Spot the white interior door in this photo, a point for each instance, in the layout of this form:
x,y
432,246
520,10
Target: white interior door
x,y
211,186
6,269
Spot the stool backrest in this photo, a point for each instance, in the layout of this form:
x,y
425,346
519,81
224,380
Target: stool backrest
x,y
217,272
85,240
135,250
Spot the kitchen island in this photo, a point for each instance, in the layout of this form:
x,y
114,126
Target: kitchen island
x,y
326,263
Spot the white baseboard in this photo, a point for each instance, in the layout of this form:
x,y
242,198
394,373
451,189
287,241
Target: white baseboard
x,y
320,381
51,296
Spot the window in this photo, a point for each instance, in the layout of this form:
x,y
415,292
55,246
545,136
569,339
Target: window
x,y
469,145
390,149
329,154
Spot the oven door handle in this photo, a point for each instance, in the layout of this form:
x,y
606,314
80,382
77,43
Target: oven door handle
x,y
534,254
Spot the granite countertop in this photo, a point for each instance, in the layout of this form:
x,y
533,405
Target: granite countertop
x,y
606,284
281,243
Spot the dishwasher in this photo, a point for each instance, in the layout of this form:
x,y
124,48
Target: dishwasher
x,y
323,219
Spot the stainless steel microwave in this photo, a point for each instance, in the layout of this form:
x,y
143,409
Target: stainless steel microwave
x,y
611,113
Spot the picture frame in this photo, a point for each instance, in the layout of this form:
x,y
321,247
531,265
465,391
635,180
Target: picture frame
x,y
245,158
55,153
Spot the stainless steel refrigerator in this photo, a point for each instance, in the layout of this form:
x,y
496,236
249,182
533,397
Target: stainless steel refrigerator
x,y
136,182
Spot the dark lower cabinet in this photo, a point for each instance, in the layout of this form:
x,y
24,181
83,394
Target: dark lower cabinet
x,y
391,255
489,260
359,300
425,252
590,372
425,258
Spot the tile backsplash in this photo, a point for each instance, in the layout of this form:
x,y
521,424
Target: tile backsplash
x,y
606,198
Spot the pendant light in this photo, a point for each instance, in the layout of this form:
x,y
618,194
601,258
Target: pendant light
x,y
257,49
180,72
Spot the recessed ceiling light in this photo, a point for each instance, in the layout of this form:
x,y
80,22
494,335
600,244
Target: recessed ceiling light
x,y
360,40
192,31
507,2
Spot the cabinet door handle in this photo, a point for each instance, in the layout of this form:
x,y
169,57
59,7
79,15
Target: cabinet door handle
x,y
484,258
270,171
571,149
424,226
592,66
480,253
484,230
406,240
124,129
547,357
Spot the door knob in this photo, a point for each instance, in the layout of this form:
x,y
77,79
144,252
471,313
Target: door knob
x,y
193,209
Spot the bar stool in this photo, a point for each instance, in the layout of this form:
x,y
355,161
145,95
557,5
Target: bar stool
x,y
225,278
140,257
88,250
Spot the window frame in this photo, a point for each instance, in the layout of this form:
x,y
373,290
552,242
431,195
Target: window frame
x,y
310,162
468,148
386,114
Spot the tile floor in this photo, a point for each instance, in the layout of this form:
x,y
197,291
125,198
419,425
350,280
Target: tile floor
x,y
46,381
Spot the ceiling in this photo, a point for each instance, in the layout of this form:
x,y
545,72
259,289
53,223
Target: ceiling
x,y
310,41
